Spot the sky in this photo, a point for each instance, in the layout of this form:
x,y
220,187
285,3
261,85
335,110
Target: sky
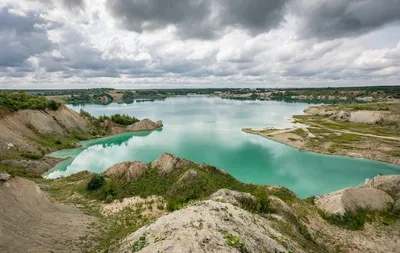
x,y
198,43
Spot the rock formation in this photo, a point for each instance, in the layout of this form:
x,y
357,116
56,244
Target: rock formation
x,y
129,171
144,125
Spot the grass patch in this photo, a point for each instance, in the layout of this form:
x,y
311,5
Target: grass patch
x,y
19,172
318,130
300,132
284,194
349,220
346,138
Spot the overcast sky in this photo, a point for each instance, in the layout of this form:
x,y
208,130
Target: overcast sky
x,y
198,43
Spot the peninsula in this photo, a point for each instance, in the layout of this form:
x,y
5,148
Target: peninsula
x,y
370,131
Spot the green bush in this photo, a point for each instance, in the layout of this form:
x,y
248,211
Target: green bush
x,y
96,182
21,100
263,200
123,119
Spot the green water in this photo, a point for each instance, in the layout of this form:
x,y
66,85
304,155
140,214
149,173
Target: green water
x,y
208,129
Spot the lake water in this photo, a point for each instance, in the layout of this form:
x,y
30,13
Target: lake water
x,y
208,130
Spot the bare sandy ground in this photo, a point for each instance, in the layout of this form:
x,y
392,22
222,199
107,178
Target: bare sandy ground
x,y
30,222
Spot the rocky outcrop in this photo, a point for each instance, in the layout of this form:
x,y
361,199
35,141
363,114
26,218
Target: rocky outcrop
x,y
386,183
29,222
233,197
209,226
168,162
144,125
354,198
165,164
129,171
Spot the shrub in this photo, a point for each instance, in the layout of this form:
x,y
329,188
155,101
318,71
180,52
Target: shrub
x,y
96,182
310,200
21,100
263,200
123,119
349,220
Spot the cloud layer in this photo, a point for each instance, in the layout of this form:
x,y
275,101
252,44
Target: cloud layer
x,y
198,43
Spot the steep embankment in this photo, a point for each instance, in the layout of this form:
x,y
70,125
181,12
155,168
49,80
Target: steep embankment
x,y
27,135
368,131
30,222
21,129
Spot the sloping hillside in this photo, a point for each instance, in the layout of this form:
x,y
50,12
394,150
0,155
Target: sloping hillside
x,y
30,222
173,204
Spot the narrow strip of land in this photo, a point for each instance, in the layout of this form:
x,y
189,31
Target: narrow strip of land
x,y
362,131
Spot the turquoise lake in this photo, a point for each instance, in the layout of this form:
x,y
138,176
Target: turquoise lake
x,y
208,130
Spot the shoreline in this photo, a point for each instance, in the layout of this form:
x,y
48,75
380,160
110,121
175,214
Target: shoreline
x,y
83,147
255,132
316,138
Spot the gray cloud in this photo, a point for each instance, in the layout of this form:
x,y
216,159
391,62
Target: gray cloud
x,y
21,37
71,4
340,18
203,19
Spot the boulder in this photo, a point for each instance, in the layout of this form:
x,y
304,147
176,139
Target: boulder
x,y
4,176
387,183
354,198
129,171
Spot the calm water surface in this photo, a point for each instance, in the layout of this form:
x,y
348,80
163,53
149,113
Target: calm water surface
x,y
208,130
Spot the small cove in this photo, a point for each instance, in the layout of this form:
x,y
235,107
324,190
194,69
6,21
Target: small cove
x,y
208,129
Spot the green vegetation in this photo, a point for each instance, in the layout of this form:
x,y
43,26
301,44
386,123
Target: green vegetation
x,y
91,190
123,119
284,194
96,182
177,193
19,172
300,132
235,241
21,100
139,244
349,220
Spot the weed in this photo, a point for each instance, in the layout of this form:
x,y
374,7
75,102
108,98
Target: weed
x,y
235,241
139,244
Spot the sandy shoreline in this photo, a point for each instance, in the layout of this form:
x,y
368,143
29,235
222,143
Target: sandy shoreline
x,y
320,133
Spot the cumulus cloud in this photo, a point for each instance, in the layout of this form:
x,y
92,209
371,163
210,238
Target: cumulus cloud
x,y
198,43
204,19
340,18
22,35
